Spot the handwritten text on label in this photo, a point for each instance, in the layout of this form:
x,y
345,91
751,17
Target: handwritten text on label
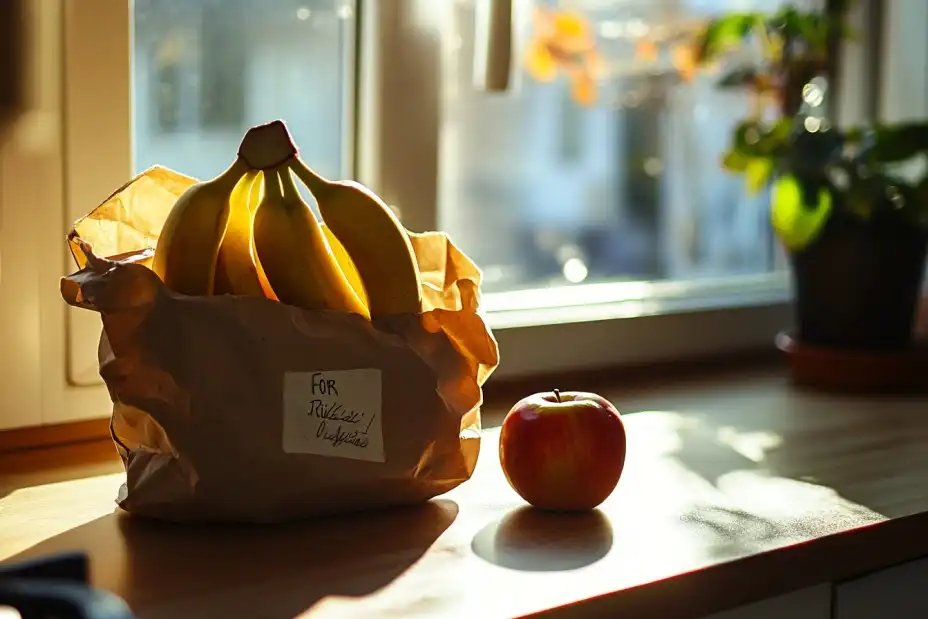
x,y
334,413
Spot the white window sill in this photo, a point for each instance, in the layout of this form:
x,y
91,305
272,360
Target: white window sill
x,y
603,325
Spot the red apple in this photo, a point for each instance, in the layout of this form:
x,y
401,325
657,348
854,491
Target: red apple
x,y
563,451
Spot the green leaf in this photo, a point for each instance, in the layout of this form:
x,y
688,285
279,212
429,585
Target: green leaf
x,y
796,221
814,29
724,33
776,138
781,129
734,161
811,151
854,134
757,173
788,21
757,140
898,142
748,136
811,27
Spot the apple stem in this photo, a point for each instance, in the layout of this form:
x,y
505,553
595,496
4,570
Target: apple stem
x,y
557,395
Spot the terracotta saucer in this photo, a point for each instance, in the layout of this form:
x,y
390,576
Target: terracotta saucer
x,y
849,371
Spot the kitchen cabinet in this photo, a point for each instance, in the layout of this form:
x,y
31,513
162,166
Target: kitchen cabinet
x,y
20,315
809,603
898,592
36,335
48,370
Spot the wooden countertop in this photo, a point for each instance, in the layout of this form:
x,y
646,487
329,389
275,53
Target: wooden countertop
x,y
724,480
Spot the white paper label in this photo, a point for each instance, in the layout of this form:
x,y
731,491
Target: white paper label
x,y
334,413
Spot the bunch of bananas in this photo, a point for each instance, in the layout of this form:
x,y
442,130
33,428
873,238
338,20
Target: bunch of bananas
x,y
249,232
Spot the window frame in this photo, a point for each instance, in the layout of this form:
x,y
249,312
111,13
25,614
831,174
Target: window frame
x,y
399,55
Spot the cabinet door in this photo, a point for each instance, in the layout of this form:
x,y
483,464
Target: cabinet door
x,y
810,603
898,592
48,369
96,57
20,260
96,54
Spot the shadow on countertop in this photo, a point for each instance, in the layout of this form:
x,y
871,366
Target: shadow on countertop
x,y
532,540
274,571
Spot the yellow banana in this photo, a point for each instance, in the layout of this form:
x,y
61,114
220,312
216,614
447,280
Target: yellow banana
x,y
188,246
374,238
346,263
294,253
237,270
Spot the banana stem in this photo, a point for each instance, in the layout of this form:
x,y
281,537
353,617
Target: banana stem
x,y
272,185
291,193
234,173
316,183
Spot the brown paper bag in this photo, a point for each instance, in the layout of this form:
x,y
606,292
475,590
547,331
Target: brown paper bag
x,y
245,409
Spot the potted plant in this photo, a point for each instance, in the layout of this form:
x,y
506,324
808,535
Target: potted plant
x,y
850,206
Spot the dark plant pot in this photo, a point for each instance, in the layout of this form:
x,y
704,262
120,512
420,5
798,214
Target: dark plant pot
x,y
858,284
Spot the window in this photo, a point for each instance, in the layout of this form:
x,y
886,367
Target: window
x,y
216,68
641,197
225,51
607,234
167,96
611,227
